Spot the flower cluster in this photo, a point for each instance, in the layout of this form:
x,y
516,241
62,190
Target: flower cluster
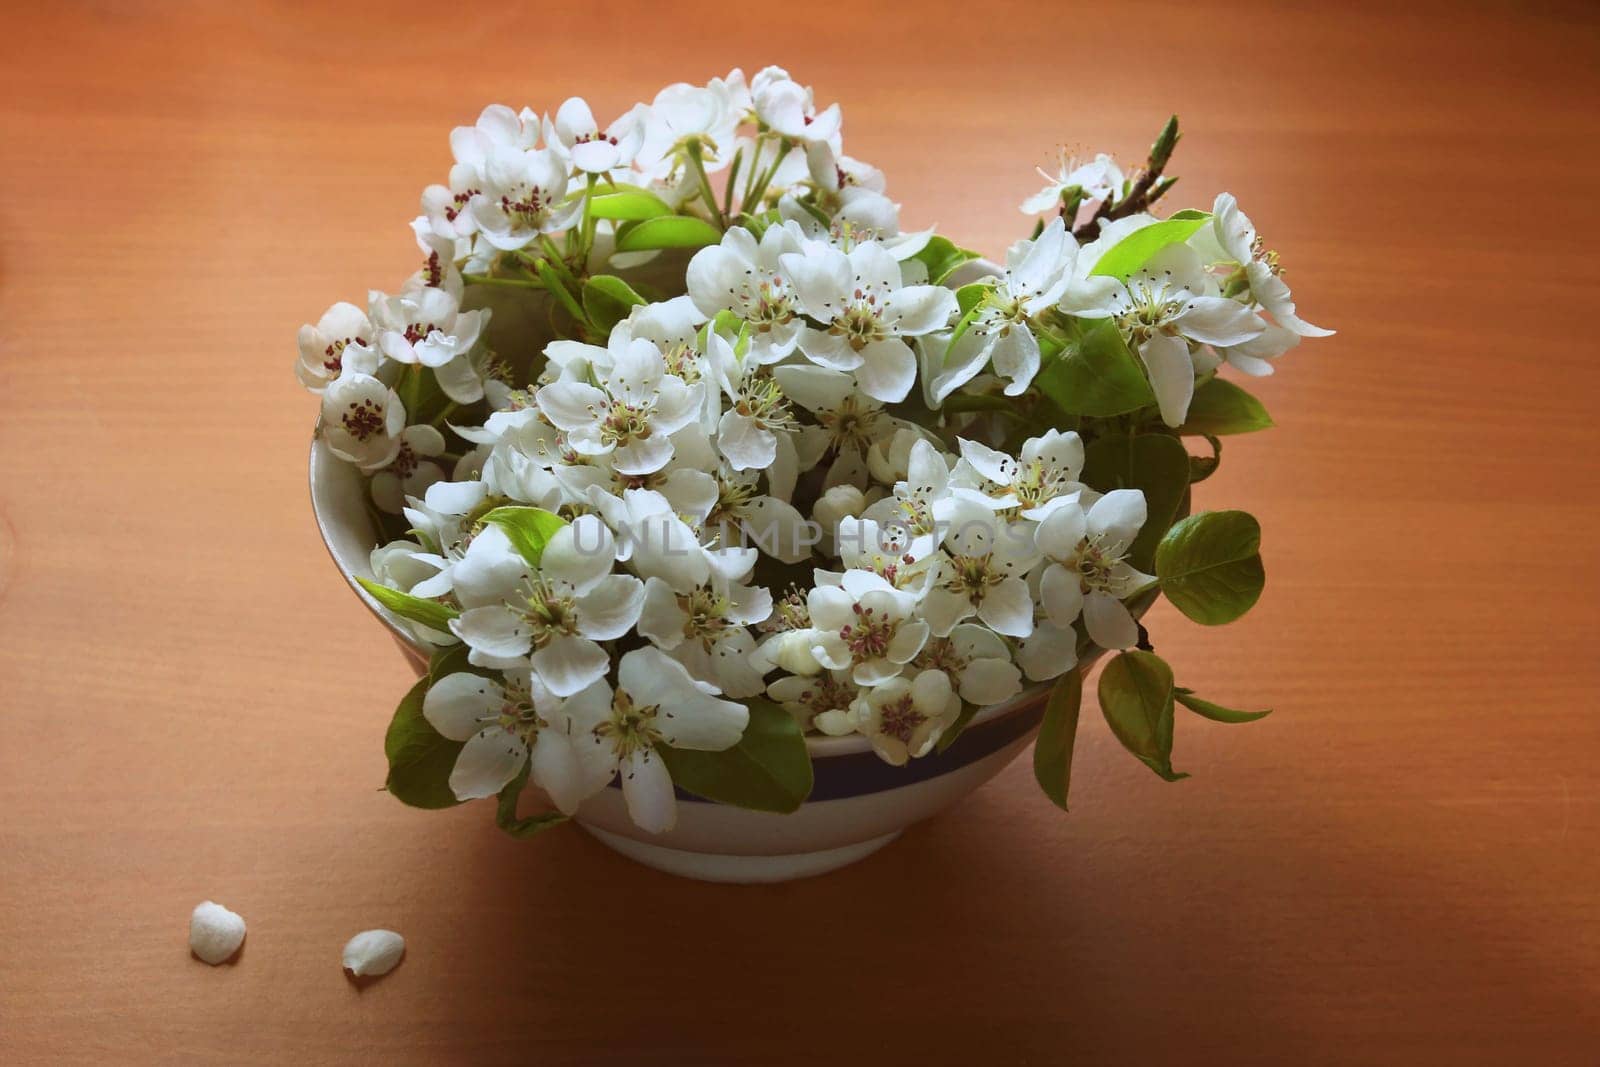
x,y
824,465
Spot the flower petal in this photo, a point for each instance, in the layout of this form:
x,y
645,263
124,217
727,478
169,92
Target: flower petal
x,y
1061,594
457,704
1117,518
1008,608
990,681
570,405
647,788
1051,651
689,717
571,767
569,664
1110,626
580,553
1062,531
610,608
489,759
1214,320
495,630
919,309
888,370
1171,375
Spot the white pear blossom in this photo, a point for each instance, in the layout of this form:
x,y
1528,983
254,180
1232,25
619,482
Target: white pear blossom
x,y
630,416
890,550
447,206
904,716
982,572
654,538
705,630
409,473
921,504
1100,180
1255,357
866,315
1002,332
1043,477
847,421
344,335
1086,570
747,432
362,420
866,625
424,326
673,326
742,514
821,701
1161,309
1237,235
505,725
851,193
656,703
788,108
575,136
979,661
744,276
559,614
705,117
523,196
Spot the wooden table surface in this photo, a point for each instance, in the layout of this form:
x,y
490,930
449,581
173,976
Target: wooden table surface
x,y
1399,866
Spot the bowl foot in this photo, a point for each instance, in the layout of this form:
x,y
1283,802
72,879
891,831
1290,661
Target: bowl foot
x,y
746,870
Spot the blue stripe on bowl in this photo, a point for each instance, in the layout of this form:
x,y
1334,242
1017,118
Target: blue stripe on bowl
x,y
860,773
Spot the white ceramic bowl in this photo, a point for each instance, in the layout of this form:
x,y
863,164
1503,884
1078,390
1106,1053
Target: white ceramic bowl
x,y
858,804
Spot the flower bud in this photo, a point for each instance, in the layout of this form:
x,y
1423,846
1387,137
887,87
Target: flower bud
x,y
840,502
789,651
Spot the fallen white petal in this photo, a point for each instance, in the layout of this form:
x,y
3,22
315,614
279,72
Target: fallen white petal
x,y
373,952
215,933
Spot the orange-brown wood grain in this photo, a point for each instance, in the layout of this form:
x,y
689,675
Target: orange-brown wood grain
x,y
1399,866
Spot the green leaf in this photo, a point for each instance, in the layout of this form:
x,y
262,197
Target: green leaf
x,y
1155,463
669,231
607,300
1219,407
429,613
969,299
1136,249
1052,752
528,529
628,202
1203,467
1136,694
1215,712
971,295
505,812
1095,373
941,256
420,759
1210,566
768,770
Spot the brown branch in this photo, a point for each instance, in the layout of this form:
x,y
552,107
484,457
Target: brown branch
x,y
1147,187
